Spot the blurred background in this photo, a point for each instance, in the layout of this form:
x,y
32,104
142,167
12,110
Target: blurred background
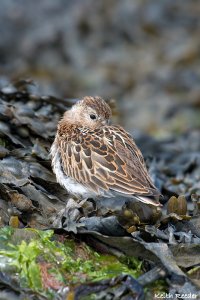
x,y
143,54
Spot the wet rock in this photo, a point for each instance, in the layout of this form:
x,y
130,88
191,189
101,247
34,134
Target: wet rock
x,y
30,195
3,152
74,56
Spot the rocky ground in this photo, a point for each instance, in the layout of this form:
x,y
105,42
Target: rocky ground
x,y
165,241
143,56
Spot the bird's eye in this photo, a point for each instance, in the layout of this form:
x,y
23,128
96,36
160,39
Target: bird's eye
x,y
93,117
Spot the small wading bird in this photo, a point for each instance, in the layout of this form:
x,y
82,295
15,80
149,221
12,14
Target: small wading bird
x,y
93,159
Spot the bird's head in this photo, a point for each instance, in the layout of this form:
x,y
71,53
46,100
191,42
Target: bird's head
x,y
90,112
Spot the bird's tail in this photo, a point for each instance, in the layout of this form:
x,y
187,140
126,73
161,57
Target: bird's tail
x,y
148,200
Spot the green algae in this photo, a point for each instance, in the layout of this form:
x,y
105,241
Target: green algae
x,y
44,262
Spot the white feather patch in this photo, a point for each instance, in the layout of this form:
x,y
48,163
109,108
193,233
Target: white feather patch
x,y
68,183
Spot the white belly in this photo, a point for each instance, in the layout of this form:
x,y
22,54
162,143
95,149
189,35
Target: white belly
x,y
68,183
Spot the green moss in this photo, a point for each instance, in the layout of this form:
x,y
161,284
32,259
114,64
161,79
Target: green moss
x,y
64,263
23,257
5,236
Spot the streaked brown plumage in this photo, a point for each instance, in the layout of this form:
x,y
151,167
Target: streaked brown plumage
x,y
91,158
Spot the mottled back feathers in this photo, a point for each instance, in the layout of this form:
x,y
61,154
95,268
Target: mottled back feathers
x,y
104,159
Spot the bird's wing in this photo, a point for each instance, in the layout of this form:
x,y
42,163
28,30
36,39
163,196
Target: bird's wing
x,y
107,159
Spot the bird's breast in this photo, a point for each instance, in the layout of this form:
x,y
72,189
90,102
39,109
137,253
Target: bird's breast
x,y
71,185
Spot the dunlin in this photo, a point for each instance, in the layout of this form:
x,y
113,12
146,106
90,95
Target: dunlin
x,y
93,159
